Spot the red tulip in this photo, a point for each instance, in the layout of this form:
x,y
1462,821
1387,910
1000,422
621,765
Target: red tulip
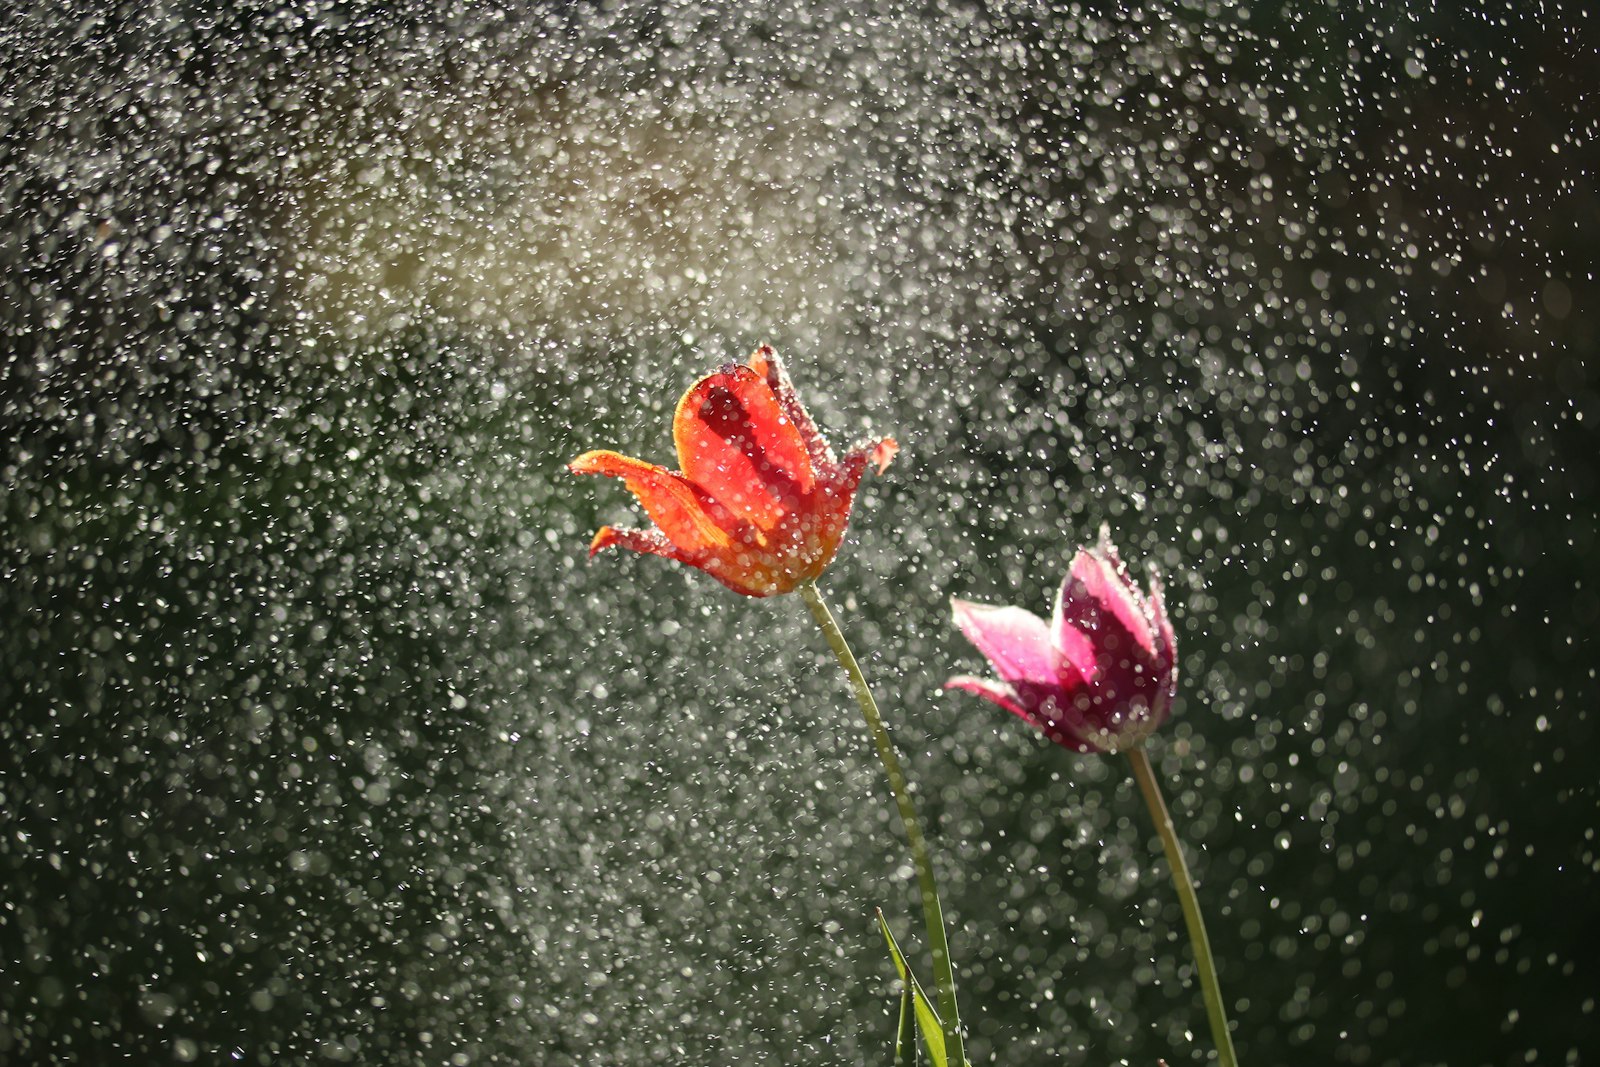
x,y
761,504
1100,676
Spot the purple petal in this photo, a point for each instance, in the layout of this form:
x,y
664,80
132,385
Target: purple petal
x,y
1060,713
1016,641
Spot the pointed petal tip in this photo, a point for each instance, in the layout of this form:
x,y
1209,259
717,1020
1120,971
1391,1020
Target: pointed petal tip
x,y
875,454
883,453
1098,563
607,462
988,688
1102,553
584,464
604,538
765,362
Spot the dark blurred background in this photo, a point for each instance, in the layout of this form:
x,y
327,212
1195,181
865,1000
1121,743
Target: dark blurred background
x,y
322,742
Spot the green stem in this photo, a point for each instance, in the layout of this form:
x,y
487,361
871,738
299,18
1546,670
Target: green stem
x,y
932,911
1209,987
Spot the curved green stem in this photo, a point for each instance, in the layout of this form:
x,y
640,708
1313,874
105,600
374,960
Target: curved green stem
x,y
1209,987
932,911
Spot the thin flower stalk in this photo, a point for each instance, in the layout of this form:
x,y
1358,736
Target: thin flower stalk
x,y
1205,965
932,910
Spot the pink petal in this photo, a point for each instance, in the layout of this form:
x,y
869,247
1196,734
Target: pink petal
x,y
1097,584
1019,703
1075,647
995,692
1016,641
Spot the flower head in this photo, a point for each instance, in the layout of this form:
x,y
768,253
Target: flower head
x,y
760,503
1099,676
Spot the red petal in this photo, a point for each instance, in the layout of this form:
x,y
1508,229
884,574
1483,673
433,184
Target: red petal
x,y
736,442
689,520
766,363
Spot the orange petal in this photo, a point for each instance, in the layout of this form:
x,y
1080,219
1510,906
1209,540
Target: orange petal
x,y
877,454
651,542
736,442
882,453
655,543
685,516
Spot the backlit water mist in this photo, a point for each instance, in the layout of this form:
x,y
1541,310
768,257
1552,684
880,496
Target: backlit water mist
x,y
322,742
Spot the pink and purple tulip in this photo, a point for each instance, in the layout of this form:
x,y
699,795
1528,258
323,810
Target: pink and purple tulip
x,y
1099,676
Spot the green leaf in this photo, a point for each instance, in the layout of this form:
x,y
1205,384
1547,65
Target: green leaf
x,y
927,1017
905,1041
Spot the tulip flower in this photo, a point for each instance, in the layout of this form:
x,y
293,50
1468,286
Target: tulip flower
x,y
1099,676
760,503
